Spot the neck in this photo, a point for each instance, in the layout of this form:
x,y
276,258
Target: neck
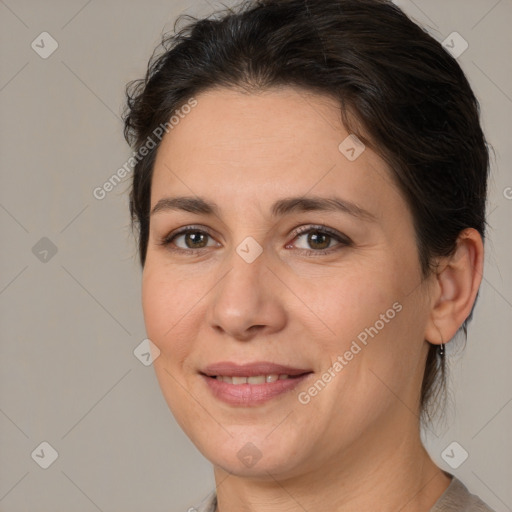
x,y
378,472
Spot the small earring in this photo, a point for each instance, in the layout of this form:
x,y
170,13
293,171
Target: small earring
x,y
441,350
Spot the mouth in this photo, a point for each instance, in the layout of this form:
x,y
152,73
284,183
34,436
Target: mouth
x,y
251,384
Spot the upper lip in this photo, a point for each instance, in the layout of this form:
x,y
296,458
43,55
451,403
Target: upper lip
x,y
227,368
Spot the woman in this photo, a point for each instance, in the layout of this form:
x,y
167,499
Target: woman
x,y
310,195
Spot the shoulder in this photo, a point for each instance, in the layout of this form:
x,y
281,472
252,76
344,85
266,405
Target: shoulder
x,y
457,498
209,504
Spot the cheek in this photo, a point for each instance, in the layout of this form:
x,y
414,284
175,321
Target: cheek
x,y
378,328
167,304
155,296
167,301
349,303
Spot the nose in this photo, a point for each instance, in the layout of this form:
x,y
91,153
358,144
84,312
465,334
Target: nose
x,y
248,300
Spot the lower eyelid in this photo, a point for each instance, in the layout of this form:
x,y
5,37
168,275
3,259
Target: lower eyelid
x,y
319,252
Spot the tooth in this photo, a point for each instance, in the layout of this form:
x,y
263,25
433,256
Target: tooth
x,y
258,379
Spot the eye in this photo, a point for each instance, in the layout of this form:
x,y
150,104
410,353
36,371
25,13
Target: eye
x,y
318,240
188,239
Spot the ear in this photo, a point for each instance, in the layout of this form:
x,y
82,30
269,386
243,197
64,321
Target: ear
x,y
455,287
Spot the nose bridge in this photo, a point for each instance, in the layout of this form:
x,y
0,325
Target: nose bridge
x,y
241,285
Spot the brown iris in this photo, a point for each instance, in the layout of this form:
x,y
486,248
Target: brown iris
x,y
194,238
316,238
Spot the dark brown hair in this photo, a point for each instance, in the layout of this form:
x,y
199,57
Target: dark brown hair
x,y
399,91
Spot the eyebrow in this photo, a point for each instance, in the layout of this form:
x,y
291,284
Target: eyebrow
x,y
280,208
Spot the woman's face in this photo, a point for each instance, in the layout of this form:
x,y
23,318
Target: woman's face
x,y
340,306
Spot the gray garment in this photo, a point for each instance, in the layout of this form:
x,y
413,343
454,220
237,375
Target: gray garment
x,y
456,498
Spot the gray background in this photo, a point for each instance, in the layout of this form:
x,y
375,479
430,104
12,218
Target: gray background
x,y
71,320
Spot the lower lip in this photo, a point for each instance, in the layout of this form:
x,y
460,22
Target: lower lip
x,y
248,395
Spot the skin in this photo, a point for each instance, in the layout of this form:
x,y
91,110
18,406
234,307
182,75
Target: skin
x,y
356,444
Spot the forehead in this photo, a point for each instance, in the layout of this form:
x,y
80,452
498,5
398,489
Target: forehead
x,y
240,146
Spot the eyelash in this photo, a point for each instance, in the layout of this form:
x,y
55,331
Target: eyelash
x,y
343,240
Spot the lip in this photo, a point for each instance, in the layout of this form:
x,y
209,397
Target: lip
x,y
250,395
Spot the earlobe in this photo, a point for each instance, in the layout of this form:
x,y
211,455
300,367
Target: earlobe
x,y
456,285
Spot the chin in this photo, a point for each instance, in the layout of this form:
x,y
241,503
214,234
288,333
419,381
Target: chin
x,y
252,456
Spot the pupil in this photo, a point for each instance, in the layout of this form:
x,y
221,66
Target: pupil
x,y
318,238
